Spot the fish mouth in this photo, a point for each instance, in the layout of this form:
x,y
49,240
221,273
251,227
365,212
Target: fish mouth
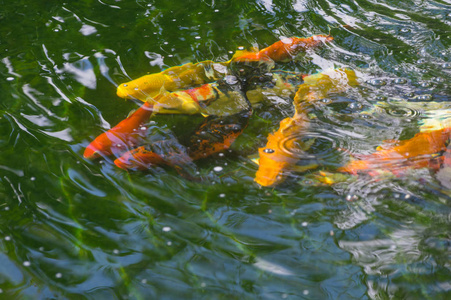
x,y
122,91
91,152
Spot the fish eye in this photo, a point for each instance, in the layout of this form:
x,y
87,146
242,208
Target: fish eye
x,y
268,150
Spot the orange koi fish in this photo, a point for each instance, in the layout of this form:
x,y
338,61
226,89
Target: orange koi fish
x,y
214,135
420,151
275,163
284,50
121,136
166,152
125,133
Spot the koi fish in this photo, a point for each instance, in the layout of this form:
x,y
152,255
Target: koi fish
x,y
191,75
275,162
284,50
121,136
214,135
424,149
125,133
172,79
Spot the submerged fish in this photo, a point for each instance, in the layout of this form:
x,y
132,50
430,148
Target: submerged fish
x,y
122,136
275,163
172,79
214,135
159,87
425,149
284,50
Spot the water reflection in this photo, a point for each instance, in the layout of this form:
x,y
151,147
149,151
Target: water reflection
x,y
71,228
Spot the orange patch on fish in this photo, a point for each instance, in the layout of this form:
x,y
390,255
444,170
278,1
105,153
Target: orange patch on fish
x,y
122,135
417,152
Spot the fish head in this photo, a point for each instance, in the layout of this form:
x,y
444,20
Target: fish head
x,y
273,166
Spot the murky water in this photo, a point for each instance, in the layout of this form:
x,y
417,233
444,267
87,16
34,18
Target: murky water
x,y
79,229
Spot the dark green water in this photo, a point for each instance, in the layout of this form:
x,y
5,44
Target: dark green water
x,y
75,229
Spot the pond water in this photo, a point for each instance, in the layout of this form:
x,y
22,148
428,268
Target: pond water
x,y
72,228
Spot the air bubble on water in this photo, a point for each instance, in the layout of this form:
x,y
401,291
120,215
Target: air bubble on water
x,y
351,197
143,128
355,106
240,48
166,229
400,81
203,284
304,224
426,84
144,281
216,10
446,65
197,37
221,154
41,249
377,82
9,78
407,196
217,169
7,238
439,79
170,55
26,264
116,251
58,275
270,211
7,208
222,195
169,243
421,61
424,97
305,292
331,233
404,30
284,296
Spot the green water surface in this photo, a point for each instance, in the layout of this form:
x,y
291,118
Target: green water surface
x,y
71,228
